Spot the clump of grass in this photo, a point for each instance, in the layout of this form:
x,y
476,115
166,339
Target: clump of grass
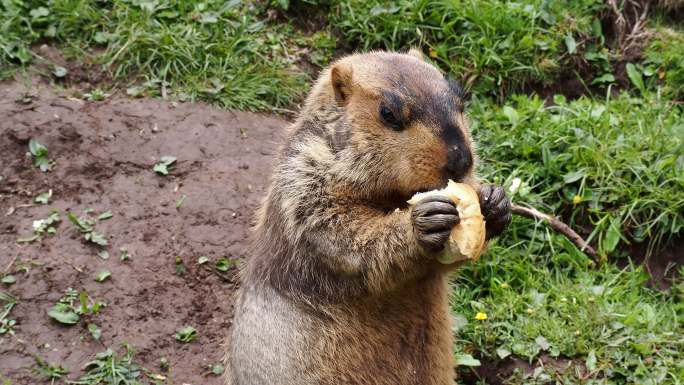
x,y
613,166
51,372
69,309
40,155
108,368
494,45
665,62
186,334
216,51
8,303
86,225
541,297
42,227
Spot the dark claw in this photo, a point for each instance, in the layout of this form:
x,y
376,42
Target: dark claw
x,y
433,219
435,222
433,242
496,209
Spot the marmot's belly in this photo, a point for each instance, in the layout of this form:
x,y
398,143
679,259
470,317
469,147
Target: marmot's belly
x,y
395,344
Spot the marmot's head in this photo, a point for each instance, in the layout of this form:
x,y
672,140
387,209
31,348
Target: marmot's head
x,y
401,127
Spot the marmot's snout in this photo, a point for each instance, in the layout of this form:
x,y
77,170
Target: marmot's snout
x,y
459,162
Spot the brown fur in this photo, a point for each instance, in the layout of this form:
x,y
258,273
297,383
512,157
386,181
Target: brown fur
x,y
337,289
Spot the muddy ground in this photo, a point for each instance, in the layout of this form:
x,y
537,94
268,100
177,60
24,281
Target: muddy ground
x,y
104,153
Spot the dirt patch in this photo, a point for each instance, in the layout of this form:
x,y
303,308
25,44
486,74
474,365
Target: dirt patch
x,y
661,264
104,153
81,74
513,370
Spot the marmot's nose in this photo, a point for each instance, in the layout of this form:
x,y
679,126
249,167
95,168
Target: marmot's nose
x,y
459,161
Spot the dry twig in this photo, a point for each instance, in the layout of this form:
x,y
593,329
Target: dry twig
x,y
576,239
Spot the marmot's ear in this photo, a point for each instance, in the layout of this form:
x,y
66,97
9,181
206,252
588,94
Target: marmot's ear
x,y
341,79
416,53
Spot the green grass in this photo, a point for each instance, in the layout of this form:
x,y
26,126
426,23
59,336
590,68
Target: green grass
x,y
665,62
8,302
495,46
108,368
221,52
615,166
542,296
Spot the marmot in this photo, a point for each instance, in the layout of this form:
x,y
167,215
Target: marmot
x,y
342,286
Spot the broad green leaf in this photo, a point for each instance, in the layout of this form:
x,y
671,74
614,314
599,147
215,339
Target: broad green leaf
x,y
570,44
105,215
186,334
96,238
164,164
503,353
103,275
101,37
135,91
223,264
591,361
64,314
37,149
612,237
466,360
542,343
59,71
511,114
574,176
8,279
39,12
605,78
160,168
217,369
95,331
43,163
44,198
635,76
82,224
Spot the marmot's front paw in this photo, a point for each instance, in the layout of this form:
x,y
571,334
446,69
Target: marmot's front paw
x,y
496,209
433,218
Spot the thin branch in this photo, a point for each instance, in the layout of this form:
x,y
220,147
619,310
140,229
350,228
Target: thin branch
x,y
531,212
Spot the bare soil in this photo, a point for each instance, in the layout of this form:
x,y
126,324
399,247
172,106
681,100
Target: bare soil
x,y
104,154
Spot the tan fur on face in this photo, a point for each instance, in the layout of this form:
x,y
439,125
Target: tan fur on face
x,y
416,155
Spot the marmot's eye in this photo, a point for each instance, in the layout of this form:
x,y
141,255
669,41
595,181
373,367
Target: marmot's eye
x,y
389,118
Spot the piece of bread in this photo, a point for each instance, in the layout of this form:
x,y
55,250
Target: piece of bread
x,y
468,237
